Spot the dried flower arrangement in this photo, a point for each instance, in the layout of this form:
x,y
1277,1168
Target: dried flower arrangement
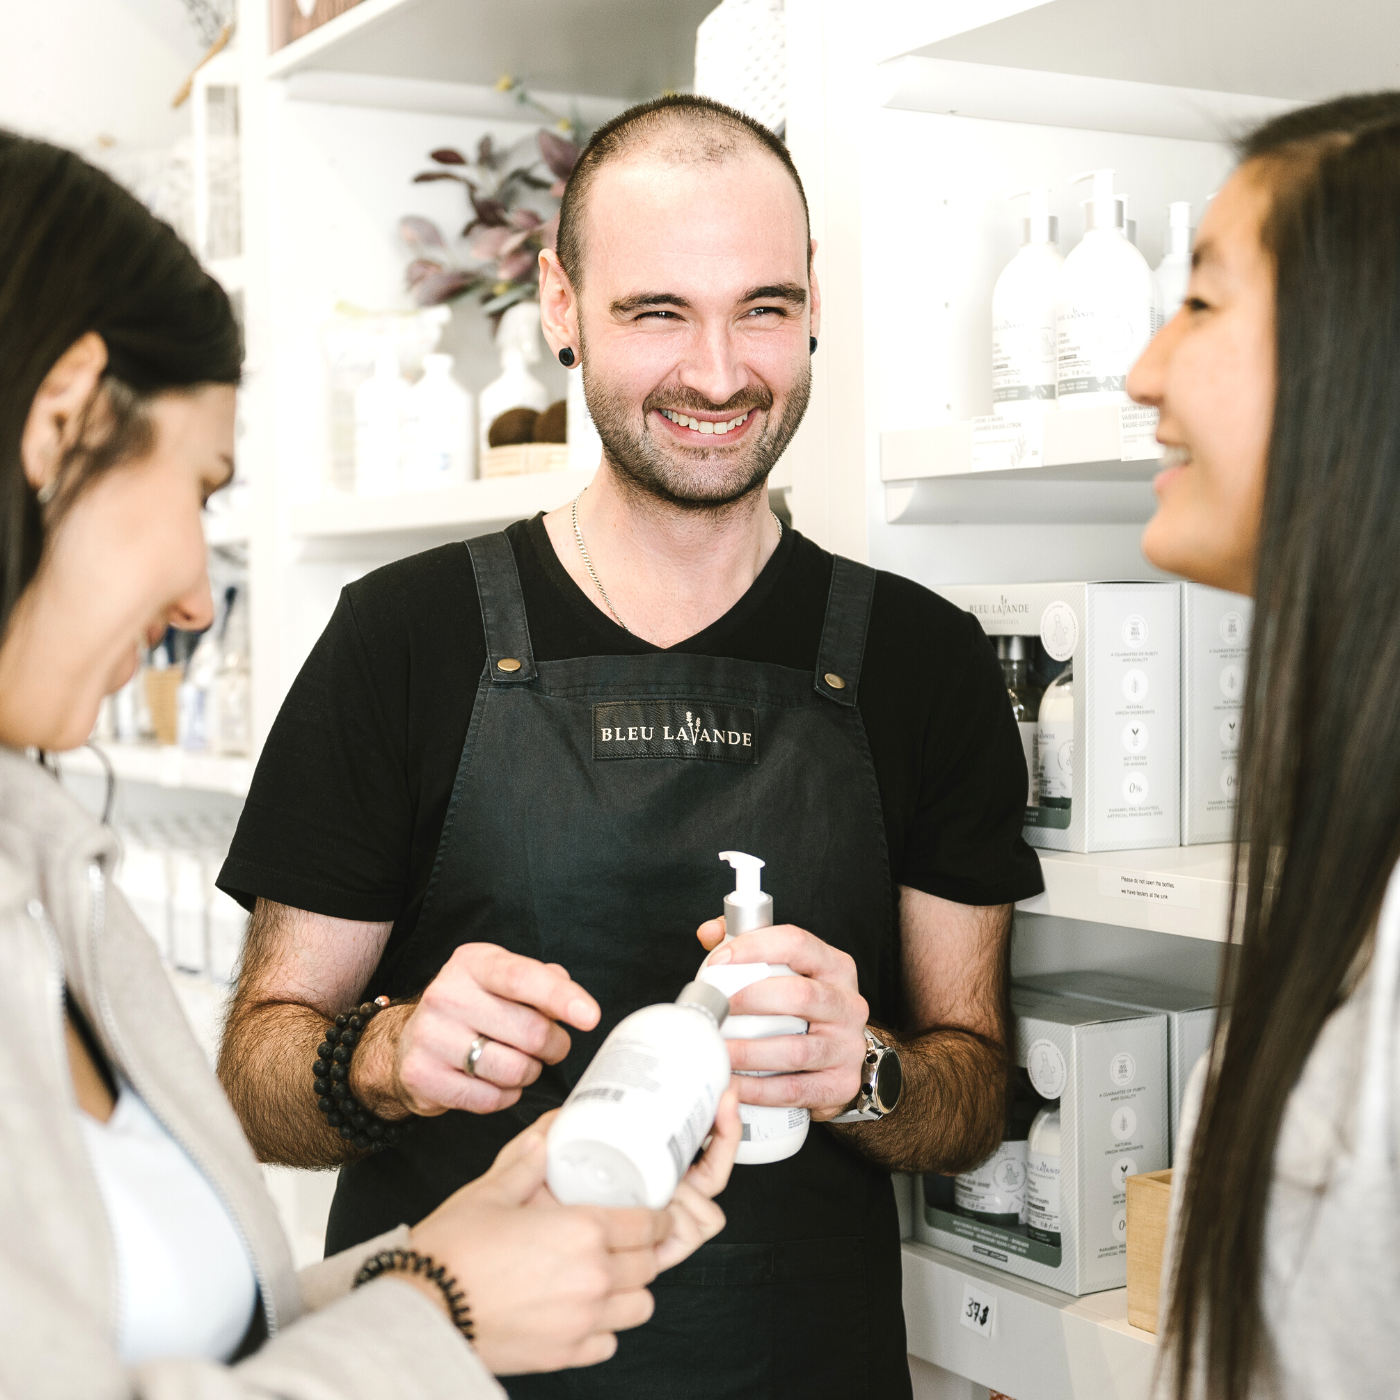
x,y
505,233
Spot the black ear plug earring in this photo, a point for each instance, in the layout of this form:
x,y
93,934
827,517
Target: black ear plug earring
x,y
812,345
566,356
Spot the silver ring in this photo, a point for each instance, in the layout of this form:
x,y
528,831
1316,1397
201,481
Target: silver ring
x,y
474,1055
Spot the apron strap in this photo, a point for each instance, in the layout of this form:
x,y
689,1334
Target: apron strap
x,y
843,633
509,656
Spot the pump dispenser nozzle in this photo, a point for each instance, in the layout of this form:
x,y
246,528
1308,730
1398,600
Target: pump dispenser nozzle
x,y
748,907
1042,226
1100,211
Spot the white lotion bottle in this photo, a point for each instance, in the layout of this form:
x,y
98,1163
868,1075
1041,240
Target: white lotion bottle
x,y
440,438
380,406
1043,1176
1174,271
1104,314
1054,742
518,337
628,1131
769,1134
1023,316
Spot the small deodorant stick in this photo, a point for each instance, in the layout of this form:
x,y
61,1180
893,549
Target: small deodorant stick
x,y
770,1134
628,1132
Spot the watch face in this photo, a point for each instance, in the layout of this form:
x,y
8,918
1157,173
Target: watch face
x,y
889,1082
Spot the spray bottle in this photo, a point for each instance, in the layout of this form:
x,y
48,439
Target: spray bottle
x,y
769,1134
629,1129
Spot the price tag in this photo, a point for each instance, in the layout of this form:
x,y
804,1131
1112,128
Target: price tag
x,y
979,1310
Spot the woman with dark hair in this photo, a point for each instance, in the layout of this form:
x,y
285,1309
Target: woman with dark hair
x,y
139,1252
1279,389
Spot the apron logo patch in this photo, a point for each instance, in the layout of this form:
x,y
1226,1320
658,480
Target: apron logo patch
x,y
669,729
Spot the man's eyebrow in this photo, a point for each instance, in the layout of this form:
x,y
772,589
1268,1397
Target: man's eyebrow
x,y
779,291
635,303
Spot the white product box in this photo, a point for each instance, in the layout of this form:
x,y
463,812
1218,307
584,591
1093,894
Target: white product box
x,y
1214,651
1190,1021
1124,642
1107,1065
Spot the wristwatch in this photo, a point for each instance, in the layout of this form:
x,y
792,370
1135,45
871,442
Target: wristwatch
x,y
881,1081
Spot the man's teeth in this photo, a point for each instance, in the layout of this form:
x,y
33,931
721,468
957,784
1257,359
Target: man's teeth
x,y
700,426
1176,457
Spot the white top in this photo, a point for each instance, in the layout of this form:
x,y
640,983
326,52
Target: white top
x,y
1331,1276
185,1283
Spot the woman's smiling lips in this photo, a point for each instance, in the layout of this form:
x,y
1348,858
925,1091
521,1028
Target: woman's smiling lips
x,y
1175,460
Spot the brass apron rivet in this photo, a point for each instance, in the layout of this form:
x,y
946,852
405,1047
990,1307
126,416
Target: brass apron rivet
x,y
834,681
509,663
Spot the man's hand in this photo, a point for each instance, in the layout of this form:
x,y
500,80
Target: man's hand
x,y
412,1059
819,1071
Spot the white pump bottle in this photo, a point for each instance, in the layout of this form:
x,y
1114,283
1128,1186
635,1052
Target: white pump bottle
x,y
1174,271
1023,316
1105,312
769,1134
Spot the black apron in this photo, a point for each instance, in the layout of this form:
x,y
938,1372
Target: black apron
x,y
591,803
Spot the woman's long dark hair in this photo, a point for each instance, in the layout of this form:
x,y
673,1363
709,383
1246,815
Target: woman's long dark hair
x,y
79,254
1320,776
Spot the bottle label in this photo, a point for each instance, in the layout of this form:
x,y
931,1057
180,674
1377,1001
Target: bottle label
x,y
1023,360
1098,344
996,1186
1043,1192
763,1124
1055,759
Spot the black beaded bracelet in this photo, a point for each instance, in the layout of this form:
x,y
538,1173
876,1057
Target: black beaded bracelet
x,y
409,1261
355,1123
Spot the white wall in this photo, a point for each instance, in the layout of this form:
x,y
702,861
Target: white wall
x,y
81,72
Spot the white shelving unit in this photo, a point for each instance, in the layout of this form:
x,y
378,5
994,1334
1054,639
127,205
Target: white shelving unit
x,y
1043,1345
164,766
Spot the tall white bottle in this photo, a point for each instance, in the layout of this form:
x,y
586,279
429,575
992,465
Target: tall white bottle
x,y
1023,316
1054,742
439,436
380,404
1104,314
1174,271
770,1134
518,341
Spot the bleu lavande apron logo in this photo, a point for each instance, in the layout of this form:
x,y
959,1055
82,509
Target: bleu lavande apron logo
x,y
675,729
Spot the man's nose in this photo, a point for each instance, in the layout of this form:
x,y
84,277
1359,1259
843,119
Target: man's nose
x,y
713,367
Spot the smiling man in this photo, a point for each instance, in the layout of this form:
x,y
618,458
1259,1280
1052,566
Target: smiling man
x,y
524,754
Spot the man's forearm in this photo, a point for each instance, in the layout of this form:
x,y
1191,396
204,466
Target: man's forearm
x,y
951,1111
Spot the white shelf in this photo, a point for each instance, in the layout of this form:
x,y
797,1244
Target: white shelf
x,y
1182,890
473,506
1090,473
629,49
163,765
1044,1345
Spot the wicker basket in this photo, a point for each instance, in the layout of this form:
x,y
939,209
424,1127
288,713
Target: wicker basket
x,y
524,457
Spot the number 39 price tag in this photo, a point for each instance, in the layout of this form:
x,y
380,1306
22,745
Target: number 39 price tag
x,y
979,1311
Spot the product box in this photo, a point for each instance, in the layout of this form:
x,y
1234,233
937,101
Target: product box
x,y
1190,1020
1107,1066
1109,774
1214,650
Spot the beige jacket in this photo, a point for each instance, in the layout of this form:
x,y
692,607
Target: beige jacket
x,y
62,921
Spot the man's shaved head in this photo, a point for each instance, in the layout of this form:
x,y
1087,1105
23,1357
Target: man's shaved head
x,y
682,131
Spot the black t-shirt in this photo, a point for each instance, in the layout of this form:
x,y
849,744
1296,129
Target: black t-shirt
x,y
347,804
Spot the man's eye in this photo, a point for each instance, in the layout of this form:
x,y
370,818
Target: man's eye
x,y
668,315
767,311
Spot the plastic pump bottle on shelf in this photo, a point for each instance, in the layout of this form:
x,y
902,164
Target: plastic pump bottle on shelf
x,y
1023,316
1054,742
1174,271
518,339
770,1134
628,1131
1104,312
439,436
1043,1176
380,406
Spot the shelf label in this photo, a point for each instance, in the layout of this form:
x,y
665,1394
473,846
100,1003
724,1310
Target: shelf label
x,y
1148,887
1137,433
1003,444
979,1310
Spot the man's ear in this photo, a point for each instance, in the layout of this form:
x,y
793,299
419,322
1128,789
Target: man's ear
x,y
56,414
816,291
558,306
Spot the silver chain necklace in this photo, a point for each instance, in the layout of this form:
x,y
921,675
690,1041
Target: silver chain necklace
x,y
593,573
